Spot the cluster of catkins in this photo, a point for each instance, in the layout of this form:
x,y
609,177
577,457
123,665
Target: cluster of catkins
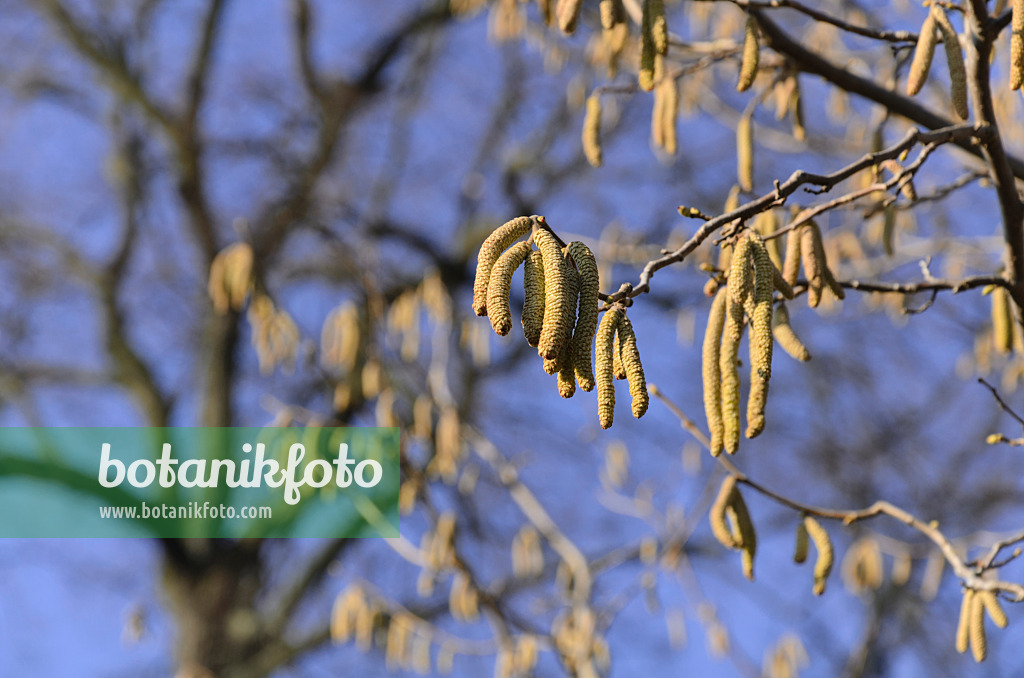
x,y
560,311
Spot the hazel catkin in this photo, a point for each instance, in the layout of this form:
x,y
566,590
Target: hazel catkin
x,y
728,365
927,41
963,626
954,61
586,323
751,55
717,514
556,295
496,243
604,377
630,356
501,283
823,544
533,297
1017,45
711,370
592,131
786,337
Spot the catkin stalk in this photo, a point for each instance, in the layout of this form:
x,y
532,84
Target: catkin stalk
x,y
1017,45
533,299
586,323
501,283
496,243
711,371
630,356
745,152
921,64
606,331
592,131
955,62
751,56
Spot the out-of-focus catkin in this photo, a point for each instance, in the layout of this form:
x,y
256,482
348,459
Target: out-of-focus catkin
x,y
647,48
231,277
826,555
556,294
586,322
659,25
791,260
1002,320
748,536
592,131
995,611
717,515
711,370
1017,45
533,299
955,62
612,13
496,243
786,337
745,152
630,356
979,643
500,285
567,13
604,377
800,550
963,626
927,41
751,56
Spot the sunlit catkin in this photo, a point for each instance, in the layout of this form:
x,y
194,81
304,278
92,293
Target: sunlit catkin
x,y
728,365
745,152
533,297
955,62
667,113
592,131
711,371
586,322
717,514
760,336
566,360
791,260
496,243
630,356
1002,320
995,611
1017,45
556,294
786,337
647,48
604,376
963,626
751,56
800,550
617,368
612,13
500,285
823,544
921,64
979,643
567,13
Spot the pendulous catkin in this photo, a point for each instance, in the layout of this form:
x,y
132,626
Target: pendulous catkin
x,y
592,131
566,361
955,62
748,537
618,369
745,152
823,544
717,515
556,294
994,609
630,356
963,626
659,26
612,14
791,260
501,283
647,49
1002,320
711,370
728,366
979,644
496,243
1017,45
786,337
816,265
927,41
533,299
751,56
586,322
568,13
760,335
604,377
800,550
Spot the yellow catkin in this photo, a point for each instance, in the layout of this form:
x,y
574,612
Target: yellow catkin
x,y
612,14
748,537
1002,320
617,367
586,322
766,223
955,62
963,626
496,243
658,118
796,107
556,294
995,610
533,299
1017,45
751,56
604,377
979,644
760,336
786,337
647,49
889,229
800,551
667,113
711,371
791,261
717,514
728,365
927,41
823,544
659,25
745,152
741,280
630,356
231,277
779,282
568,13
812,266
566,361
592,131
501,283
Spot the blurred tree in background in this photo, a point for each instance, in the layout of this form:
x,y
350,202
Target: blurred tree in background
x,y
267,213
